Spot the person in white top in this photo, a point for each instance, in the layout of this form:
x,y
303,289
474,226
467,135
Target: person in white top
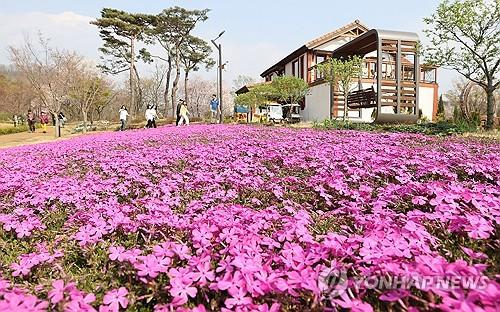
x,y
148,116
154,115
184,112
123,117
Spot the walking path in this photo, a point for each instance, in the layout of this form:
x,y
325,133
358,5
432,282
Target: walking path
x,y
24,138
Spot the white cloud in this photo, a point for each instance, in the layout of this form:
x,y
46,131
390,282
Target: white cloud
x,y
65,30
70,19
74,32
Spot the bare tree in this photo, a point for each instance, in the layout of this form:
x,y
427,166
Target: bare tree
x,y
16,93
199,91
51,72
152,86
469,98
89,87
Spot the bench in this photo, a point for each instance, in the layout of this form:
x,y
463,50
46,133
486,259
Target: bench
x,y
365,98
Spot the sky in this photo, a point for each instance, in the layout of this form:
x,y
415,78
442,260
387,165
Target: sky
x,y
257,34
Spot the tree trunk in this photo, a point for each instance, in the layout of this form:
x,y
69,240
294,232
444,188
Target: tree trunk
x,y
84,113
132,66
57,131
490,106
198,107
138,101
167,86
175,84
346,93
186,79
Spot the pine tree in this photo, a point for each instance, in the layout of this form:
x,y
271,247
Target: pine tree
x,y
120,32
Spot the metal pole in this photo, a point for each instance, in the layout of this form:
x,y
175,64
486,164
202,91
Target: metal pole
x,y
379,78
219,78
398,77
217,83
221,119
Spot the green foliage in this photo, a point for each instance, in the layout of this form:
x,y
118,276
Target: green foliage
x,y
258,95
341,72
471,123
5,117
289,89
196,52
11,130
465,36
439,128
171,29
119,30
173,25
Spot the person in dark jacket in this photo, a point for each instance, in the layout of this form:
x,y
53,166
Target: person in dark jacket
x,y
30,117
178,108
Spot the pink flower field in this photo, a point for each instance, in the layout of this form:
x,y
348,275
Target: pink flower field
x,y
243,218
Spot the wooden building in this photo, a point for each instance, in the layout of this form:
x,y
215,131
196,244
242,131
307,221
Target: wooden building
x,y
410,81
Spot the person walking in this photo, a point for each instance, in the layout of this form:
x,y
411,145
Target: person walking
x,y
44,120
154,114
62,119
123,117
214,108
184,112
30,117
147,115
15,120
178,112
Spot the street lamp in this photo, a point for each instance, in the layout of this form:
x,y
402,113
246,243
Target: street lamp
x,y
219,48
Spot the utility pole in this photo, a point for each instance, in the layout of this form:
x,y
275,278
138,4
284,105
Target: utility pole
x,y
219,48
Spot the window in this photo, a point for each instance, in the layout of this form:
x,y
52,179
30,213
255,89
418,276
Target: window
x,y
428,75
301,65
295,68
319,59
408,66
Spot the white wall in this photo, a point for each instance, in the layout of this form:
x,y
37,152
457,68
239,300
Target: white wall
x,y
426,101
317,106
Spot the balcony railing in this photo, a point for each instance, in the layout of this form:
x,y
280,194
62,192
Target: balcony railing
x,y
427,74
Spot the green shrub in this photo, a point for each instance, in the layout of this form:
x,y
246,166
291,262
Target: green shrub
x,y
11,130
440,128
7,117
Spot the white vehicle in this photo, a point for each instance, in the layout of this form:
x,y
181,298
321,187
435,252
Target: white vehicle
x,y
291,112
275,112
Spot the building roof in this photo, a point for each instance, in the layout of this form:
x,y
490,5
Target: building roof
x,y
335,33
368,42
249,87
313,44
284,61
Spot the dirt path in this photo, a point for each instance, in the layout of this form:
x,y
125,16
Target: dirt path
x,y
24,138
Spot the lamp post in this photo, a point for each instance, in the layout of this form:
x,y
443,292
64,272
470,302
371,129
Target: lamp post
x,y
219,48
